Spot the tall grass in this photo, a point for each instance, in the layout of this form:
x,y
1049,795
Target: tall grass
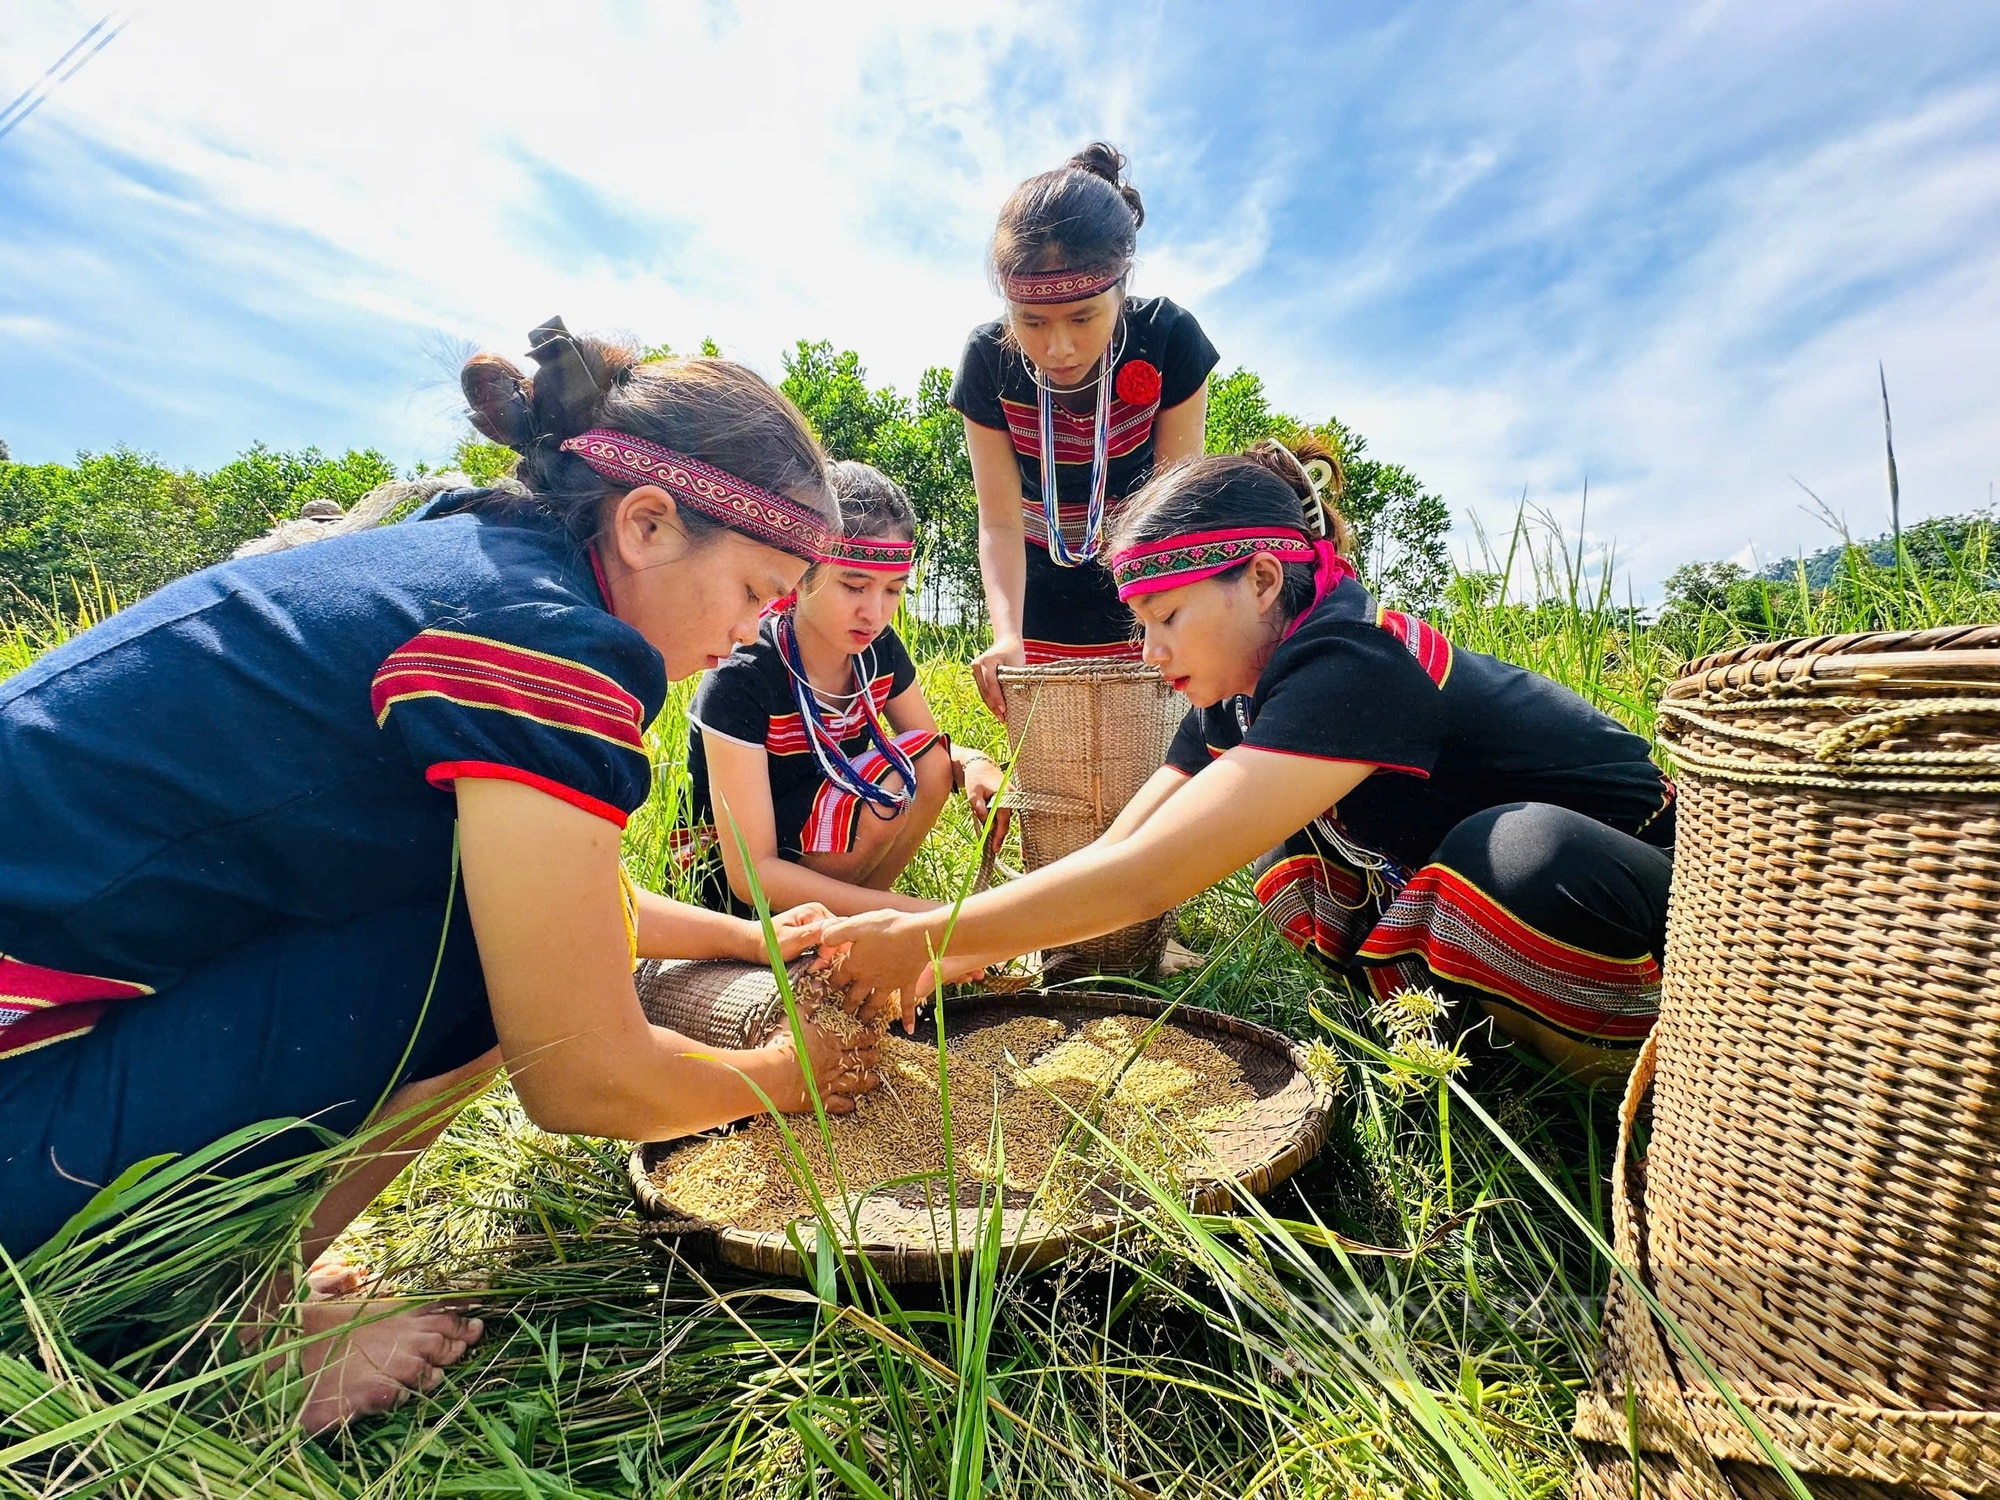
x,y
1262,1351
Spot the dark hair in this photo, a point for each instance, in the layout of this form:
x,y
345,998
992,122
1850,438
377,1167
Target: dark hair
x,y
1084,216
1265,485
872,505
708,409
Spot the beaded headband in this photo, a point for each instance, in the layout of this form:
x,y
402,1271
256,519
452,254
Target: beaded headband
x,y
872,553
1059,286
1194,555
758,513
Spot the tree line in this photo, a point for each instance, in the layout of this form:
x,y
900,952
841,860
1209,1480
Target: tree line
x,y
121,523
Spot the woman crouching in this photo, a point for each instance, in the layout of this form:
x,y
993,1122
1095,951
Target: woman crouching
x,y
1440,817
816,739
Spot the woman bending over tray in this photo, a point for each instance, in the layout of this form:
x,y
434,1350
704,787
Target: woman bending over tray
x,y
1112,385
1442,818
816,737
238,814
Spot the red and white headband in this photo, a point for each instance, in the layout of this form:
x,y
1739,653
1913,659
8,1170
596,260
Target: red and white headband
x,y
872,553
758,513
1192,556
1059,286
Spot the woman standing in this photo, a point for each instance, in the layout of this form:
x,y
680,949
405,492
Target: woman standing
x,y
1446,819
1113,387
234,819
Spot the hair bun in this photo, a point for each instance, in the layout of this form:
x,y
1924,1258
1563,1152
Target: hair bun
x,y
501,401
1102,159
1269,453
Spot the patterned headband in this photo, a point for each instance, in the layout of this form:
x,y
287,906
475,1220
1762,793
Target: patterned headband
x,y
757,513
1060,286
873,553
1192,556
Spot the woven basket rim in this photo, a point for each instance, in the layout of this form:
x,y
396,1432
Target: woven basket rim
x,y
1105,671
766,1248
1859,643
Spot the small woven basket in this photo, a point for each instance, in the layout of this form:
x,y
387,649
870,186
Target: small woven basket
x,y
1818,1204
906,1237
714,1001
1085,736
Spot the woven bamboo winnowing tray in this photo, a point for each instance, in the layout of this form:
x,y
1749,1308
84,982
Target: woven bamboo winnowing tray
x,y
1085,736
906,1232
1818,1205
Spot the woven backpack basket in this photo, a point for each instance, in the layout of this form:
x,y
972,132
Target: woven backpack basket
x,y
1085,736
1817,1204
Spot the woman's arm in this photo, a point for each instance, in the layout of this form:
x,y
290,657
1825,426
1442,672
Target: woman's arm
x,y
1179,431
1003,553
1148,800
739,780
542,884
674,929
1216,823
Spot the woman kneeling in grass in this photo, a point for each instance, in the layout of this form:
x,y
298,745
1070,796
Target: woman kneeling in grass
x,y
235,814
816,739
1442,818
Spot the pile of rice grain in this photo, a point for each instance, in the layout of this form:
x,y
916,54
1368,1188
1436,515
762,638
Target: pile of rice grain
x,y
1156,1105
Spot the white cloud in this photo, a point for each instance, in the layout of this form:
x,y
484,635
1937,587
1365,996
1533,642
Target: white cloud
x,y
1516,250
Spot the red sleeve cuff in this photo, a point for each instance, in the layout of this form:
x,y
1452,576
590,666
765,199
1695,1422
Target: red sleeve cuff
x,y
445,772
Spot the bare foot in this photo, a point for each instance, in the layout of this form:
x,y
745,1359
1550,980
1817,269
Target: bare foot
x,y
334,1275
376,1366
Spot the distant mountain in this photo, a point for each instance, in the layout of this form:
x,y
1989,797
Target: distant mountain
x,y
1933,546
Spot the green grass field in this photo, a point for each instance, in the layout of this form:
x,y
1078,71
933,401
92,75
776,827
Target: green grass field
x,y
1252,1353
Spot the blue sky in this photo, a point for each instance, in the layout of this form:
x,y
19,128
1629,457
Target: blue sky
x,y
1656,248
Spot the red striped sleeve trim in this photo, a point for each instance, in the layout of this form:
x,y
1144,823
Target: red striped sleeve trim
x,y
1424,642
1340,760
445,772
40,1006
475,672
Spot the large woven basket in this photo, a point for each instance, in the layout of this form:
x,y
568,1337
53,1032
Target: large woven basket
x,y
1085,736
907,1238
1818,1204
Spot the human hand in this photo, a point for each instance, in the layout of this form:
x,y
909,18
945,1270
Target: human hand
x,y
886,963
798,928
843,1067
983,780
1004,652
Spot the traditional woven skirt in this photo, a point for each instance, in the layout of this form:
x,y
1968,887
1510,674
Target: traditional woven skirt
x,y
1529,906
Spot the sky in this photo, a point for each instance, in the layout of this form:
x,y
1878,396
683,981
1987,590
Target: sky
x,y
1648,253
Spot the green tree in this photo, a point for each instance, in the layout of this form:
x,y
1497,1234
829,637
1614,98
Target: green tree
x,y
483,462
135,524
920,446
1399,526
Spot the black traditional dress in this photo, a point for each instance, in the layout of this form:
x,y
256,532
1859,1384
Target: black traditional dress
x,y
1514,842
1160,358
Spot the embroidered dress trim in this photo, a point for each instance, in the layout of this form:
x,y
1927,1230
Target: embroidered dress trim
x,y
445,772
786,733
836,811
1060,551
476,672
834,764
1048,653
1037,288
876,555
1460,933
738,504
41,1006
